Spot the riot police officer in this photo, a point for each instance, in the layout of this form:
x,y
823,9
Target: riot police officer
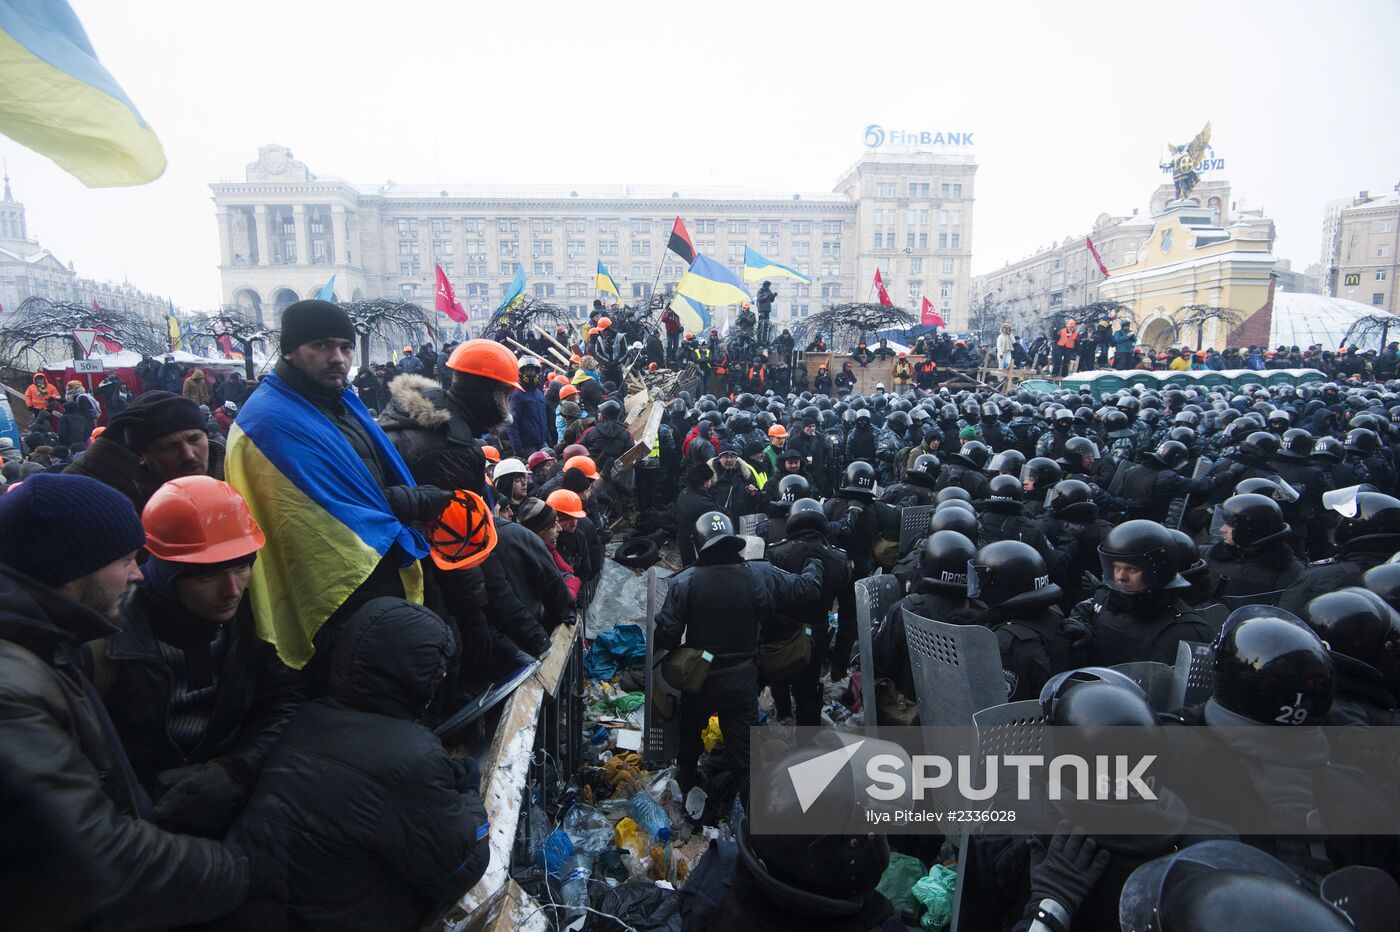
x,y
1362,635
1367,534
1252,563
1150,486
1038,476
854,528
1052,442
964,469
1294,465
917,487
789,489
1071,523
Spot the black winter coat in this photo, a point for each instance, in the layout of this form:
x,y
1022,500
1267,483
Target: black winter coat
x,y
1352,560
58,748
1127,630
359,805
432,435
691,504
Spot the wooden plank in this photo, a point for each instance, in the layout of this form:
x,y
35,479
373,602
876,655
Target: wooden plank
x,y
550,670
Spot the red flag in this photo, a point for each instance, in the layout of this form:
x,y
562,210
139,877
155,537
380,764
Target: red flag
x,y
1095,253
226,344
680,243
880,290
107,338
446,300
929,315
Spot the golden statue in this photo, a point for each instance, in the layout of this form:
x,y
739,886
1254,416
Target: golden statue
x,y
1183,162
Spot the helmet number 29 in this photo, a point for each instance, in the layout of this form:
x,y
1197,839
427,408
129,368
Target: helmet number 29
x,y
1294,714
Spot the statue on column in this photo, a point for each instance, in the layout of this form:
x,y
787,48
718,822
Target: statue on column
x,y
1183,161
765,311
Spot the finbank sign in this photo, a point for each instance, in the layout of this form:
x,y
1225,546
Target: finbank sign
x,y
877,136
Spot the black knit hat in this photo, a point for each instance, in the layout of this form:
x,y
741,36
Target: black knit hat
x,y
57,528
313,319
699,474
154,414
535,515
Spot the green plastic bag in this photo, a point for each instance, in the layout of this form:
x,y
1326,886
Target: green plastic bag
x,y
897,883
620,704
936,893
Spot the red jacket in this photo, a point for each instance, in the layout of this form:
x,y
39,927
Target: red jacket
x,y
672,320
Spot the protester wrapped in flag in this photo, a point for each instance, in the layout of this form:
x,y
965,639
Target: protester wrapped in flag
x,y
757,269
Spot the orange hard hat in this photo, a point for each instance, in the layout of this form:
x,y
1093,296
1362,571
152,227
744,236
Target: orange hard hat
x,y
777,430
604,323
651,367
198,519
97,432
408,349
491,453
566,503
593,331
689,335
1069,322
575,359
488,359
745,305
464,535
584,464
568,391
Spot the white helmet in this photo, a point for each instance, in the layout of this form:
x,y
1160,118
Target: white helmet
x,y
526,362
509,467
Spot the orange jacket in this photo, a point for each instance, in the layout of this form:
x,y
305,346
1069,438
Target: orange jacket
x,y
37,400
1067,337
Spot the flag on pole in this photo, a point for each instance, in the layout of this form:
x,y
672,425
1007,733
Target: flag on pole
x,y
172,326
880,290
226,344
107,338
757,269
605,281
57,99
327,292
710,283
694,317
446,299
515,293
928,314
680,243
1095,253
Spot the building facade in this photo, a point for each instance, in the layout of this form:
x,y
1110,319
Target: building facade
x,y
284,231
1362,264
27,269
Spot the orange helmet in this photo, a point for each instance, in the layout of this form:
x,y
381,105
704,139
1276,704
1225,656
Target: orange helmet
x,y
566,503
198,519
604,323
407,350
491,453
745,305
488,359
651,367
777,430
97,432
583,463
1069,322
568,391
464,534
593,331
689,335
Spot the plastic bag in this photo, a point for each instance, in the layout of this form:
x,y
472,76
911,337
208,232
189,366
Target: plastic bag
x,y
936,893
897,883
588,829
619,703
611,651
711,735
627,835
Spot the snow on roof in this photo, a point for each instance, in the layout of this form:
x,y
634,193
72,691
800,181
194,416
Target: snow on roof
x,y
1305,319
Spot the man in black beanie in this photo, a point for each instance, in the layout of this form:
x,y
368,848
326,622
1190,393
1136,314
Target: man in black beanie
x,y
68,549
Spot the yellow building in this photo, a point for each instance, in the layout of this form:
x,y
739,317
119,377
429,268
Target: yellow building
x,y
1189,260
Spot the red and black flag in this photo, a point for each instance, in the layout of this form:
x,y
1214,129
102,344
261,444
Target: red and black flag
x,y
680,243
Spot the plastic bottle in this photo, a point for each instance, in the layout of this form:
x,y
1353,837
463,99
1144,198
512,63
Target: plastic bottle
x,y
575,874
648,814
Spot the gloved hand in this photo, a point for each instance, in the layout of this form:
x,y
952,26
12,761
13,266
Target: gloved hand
x,y
202,797
417,503
468,774
1068,869
1090,581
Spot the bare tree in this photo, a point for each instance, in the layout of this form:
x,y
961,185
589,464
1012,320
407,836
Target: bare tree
x,y
1372,332
41,330
243,331
1196,316
850,322
529,314
393,322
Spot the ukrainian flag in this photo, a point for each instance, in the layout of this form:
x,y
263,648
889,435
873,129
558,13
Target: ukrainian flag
x,y
515,293
605,281
172,326
710,283
691,312
57,99
757,269
327,521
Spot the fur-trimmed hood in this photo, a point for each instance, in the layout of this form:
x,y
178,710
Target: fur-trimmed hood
x,y
415,401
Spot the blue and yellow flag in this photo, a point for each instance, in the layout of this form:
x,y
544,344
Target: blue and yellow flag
x,y
757,269
710,283
57,99
327,292
605,281
172,326
327,521
692,313
515,293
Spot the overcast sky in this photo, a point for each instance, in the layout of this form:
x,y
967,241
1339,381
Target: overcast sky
x,y
1069,103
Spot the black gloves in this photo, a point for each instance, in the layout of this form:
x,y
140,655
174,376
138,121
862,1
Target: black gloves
x,y
203,798
417,504
468,774
1090,581
1067,870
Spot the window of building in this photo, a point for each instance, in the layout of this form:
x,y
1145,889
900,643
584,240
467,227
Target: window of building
x,y
403,247
408,291
403,268
607,225
478,290
575,225
738,226
706,246
510,247
831,247
830,269
544,290
318,225
916,264
578,311
916,289
957,191
641,227
318,250
447,269
918,189
945,289
641,269
800,310
942,240
673,270
544,267
641,289
704,226
1387,226
768,228
641,247
831,290
923,240
578,268
578,290
414,268
474,226
403,227
289,250
507,225
831,227
955,241
441,225
945,266
801,290
1381,275
802,248
477,267
544,247
947,189
1378,298
442,247
508,268
476,247
541,225
607,247
1382,250
884,189
576,247
1057,299
800,227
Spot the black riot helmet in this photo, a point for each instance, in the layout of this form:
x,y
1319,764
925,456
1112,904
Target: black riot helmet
x,y
1041,472
972,411
1278,420
1261,444
1328,451
1362,440
745,401
1071,500
1186,419
944,561
954,519
1272,669
715,531
923,471
806,515
1149,547
955,503
1062,419
1384,581
1095,696
1297,445
1364,514
1190,564
609,411
991,412
1009,573
860,480
1007,463
1171,454
1116,424
974,454
1254,520
1361,631
898,422
863,417
1081,453
793,487
1186,436
1276,488
952,492
1007,488
740,423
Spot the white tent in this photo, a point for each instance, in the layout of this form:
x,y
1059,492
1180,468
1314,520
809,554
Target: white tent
x,y
127,359
1304,319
